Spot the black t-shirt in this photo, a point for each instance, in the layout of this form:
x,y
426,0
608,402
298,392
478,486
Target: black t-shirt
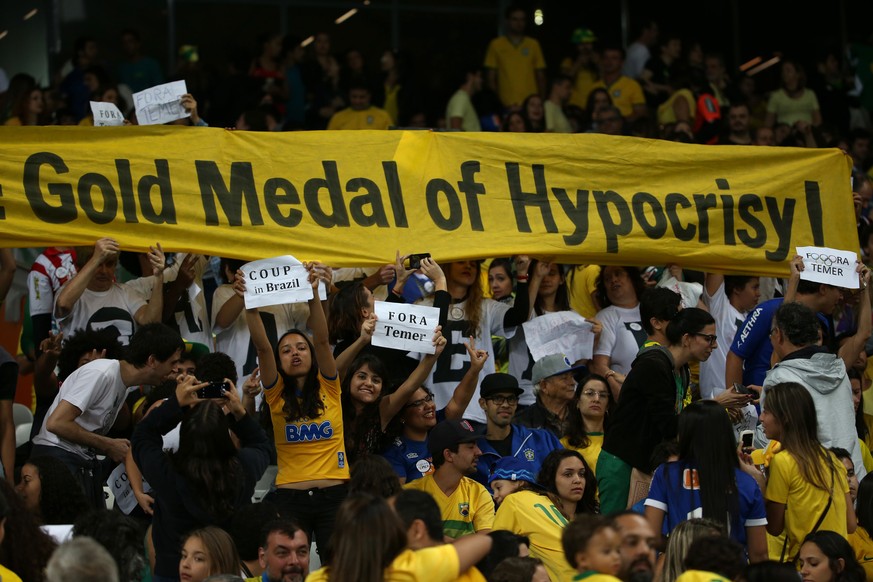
x,y
503,446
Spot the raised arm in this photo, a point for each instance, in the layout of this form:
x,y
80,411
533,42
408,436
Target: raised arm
x,y
7,271
104,249
467,387
345,359
797,267
266,359
152,311
393,403
850,350
520,310
317,322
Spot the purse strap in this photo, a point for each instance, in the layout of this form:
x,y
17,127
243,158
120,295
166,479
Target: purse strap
x,y
820,517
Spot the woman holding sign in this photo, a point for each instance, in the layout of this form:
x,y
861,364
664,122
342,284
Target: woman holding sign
x,y
302,389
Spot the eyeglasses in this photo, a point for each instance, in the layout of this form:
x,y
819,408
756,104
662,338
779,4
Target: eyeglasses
x,y
420,402
595,394
712,339
501,400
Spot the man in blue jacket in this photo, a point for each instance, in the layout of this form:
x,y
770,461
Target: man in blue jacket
x,y
499,399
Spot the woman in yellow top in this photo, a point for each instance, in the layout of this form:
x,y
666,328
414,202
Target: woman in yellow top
x,y
861,540
302,389
29,109
370,546
584,431
807,490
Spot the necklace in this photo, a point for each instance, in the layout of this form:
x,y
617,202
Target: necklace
x,y
456,311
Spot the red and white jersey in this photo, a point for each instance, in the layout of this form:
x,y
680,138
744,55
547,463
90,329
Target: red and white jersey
x,y
49,272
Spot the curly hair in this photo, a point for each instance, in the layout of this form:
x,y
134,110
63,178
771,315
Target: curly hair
x,y
61,500
121,536
633,274
81,343
26,548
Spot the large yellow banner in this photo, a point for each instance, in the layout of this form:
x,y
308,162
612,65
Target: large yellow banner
x,y
353,198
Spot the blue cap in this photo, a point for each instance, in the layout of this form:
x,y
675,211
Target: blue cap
x,y
513,469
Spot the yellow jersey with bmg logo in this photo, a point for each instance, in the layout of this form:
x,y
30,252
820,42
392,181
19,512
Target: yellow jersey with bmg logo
x,y
309,448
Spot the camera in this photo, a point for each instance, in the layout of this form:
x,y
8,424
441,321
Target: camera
x,y
415,260
213,390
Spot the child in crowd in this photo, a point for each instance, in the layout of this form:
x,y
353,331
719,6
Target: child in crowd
x,y
591,546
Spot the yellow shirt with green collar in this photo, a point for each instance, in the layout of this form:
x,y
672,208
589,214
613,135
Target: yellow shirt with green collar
x,y
862,544
592,576
701,576
370,118
437,564
625,93
516,66
470,508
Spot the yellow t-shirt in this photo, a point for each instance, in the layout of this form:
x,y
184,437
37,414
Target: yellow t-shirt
x,y
533,515
866,456
437,564
863,545
581,286
309,449
666,114
467,510
589,453
7,575
582,84
516,67
701,576
592,576
370,118
625,93
806,503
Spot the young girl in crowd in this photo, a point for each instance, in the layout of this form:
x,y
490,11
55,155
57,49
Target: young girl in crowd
x,y
707,480
585,420
652,397
208,552
302,389
826,556
671,564
807,490
565,474
500,281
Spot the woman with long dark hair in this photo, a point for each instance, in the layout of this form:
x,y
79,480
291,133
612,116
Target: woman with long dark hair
x,y
586,419
208,478
708,481
826,556
369,545
51,492
652,396
807,487
25,548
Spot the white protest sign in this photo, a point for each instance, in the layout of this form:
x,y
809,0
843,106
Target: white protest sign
x,y
563,332
276,281
406,327
160,104
106,114
829,266
119,484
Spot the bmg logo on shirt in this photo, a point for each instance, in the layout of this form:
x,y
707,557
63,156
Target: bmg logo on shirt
x,y
308,432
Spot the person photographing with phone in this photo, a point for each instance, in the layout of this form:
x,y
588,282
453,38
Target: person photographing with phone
x,y
208,478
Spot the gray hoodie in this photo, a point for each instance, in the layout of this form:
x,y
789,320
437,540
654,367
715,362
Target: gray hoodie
x,y
824,376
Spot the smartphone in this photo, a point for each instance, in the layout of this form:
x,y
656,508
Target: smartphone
x,y
415,260
213,390
747,437
740,389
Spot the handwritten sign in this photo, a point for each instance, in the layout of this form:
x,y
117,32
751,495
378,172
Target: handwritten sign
x,y
276,281
160,104
406,327
563,332
106,114
119,484
829,266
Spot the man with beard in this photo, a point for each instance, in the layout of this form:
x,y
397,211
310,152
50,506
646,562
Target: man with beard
x,y
284,553
637,547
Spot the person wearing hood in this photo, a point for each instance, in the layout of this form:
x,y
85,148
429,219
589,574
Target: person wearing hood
x,y
795,338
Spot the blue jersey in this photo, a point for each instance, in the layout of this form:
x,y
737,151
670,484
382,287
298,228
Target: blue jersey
x,y
410,459
676,491
528,444
752,342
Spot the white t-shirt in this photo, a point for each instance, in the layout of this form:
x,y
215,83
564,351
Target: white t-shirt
x,y
235,340
454,362
727,321
98,391
622,337
102,309
191,318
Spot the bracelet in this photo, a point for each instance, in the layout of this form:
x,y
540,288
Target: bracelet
x,y
522,278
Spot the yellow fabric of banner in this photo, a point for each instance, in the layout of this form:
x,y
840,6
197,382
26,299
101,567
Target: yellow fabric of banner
x,y
353,198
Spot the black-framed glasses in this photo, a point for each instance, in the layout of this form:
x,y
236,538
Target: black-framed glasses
x,y
501,400
711,338
420,402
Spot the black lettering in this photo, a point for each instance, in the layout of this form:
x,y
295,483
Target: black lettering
x,y
125,190
521,200
813,210
455,218
578,214
727,202
671,202
64,213
242,187
110,202
703,202
782,225
273,199
161,179
612,230
372,198
395,194
639,203
2,209
471,188
747,204
311,191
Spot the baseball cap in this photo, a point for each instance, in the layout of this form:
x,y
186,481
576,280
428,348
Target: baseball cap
x,y
552,365
583,35
451,433
499,383
195,350
512,469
